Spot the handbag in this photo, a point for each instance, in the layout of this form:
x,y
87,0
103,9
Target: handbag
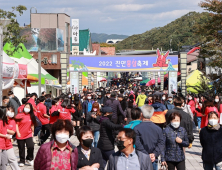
x,y
163,167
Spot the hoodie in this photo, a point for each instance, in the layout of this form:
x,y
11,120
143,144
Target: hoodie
x,y
159,113
140,100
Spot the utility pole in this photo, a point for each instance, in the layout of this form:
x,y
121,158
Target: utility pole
x,y
39,69
1,60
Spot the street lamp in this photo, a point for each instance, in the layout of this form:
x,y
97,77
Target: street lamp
x,y
31,13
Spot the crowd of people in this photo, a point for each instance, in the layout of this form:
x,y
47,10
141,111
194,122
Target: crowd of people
x,y
145,126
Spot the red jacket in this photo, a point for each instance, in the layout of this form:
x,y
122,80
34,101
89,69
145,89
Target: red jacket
x,y
204,121
191,103
43,158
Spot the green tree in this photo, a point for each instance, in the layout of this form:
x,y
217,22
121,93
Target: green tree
x,y
12,35
212,39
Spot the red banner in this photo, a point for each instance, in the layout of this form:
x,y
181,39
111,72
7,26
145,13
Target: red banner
x,y
22,71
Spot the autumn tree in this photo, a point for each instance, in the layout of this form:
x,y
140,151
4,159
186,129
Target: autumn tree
x,y
211,46
12,34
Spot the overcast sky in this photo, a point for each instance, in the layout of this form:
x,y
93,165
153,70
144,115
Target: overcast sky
x,y
111,16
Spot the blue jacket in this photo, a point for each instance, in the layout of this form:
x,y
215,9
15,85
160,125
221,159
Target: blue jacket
x,y
168,105
132,124
149,138
159,107
173,151
85,106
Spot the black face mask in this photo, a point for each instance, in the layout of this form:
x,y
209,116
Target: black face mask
x,y
87,142
120,145
110,117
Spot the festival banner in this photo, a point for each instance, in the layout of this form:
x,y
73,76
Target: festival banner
x,y
123,63
8,70
22,71
74,78
172,82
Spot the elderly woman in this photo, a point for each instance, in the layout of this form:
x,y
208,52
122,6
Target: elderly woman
x,y
89,157
59,153
211,141
175,138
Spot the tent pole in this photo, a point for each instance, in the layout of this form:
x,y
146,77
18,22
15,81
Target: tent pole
x,y
39,69
25,88
1,60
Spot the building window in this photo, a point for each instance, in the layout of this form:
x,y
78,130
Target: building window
x,y
54,58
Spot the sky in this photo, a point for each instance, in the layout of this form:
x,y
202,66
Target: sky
x,y
125,17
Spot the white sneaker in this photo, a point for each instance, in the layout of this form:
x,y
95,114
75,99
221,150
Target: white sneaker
x,y
29,163
20,164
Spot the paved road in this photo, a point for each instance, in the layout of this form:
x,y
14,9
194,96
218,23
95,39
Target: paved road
x,y
193,155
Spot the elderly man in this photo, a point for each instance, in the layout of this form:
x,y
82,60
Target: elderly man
x,y
128,158
149,137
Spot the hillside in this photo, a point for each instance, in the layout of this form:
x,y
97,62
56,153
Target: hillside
x,y
181,31
101,38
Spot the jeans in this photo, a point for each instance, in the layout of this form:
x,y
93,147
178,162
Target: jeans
x,y
38,127
155,165
211,166
96,139
199,121
106,155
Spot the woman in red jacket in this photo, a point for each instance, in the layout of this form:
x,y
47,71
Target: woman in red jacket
x,y
54,112
207,108
191,103
11,129
3,137
218,105
59,153
24,134
66,110
197,113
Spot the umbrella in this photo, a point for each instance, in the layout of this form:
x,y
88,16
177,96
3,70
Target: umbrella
x,y
103,79
152,82
144,81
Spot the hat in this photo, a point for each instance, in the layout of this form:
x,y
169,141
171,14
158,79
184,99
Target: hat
x,y
107,109
108,92
120,95
173,92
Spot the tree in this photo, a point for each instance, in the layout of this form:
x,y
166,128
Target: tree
x,y
212,40
12,35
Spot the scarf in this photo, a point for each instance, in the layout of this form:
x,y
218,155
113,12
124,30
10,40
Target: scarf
x,y
215,127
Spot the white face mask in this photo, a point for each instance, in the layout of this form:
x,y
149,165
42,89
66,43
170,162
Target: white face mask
x,y
26,110
216,100
213,122
175,124
89,97
69,96
170,99
108,96
10,97
10,114
190,98
164,98
62,138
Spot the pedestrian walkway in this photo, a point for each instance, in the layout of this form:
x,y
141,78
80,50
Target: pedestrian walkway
x,y
193,155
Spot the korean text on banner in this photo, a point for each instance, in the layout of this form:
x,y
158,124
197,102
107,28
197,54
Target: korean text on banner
x,y
74,82
22,71
75,31
8,70
172,82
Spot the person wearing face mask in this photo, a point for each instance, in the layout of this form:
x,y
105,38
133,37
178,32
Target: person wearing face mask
x,y
3,137
107,97
11,129
10,102
127,156
59,153
191,103
11,95
211,141
93,118
87,105
89,157
175,138
24,134
169,103
106,139
164,97
218,105
207,108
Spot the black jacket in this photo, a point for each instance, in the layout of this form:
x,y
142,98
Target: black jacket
x,y
93,122
95,157
106,140
211,141
144,160
186,121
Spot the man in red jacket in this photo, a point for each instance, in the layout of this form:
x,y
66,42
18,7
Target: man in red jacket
x,y
44,119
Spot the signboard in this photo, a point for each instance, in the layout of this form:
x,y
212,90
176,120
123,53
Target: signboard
x,y
8,70
172,82
75,31
75,50
123,63
22,71
74,79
